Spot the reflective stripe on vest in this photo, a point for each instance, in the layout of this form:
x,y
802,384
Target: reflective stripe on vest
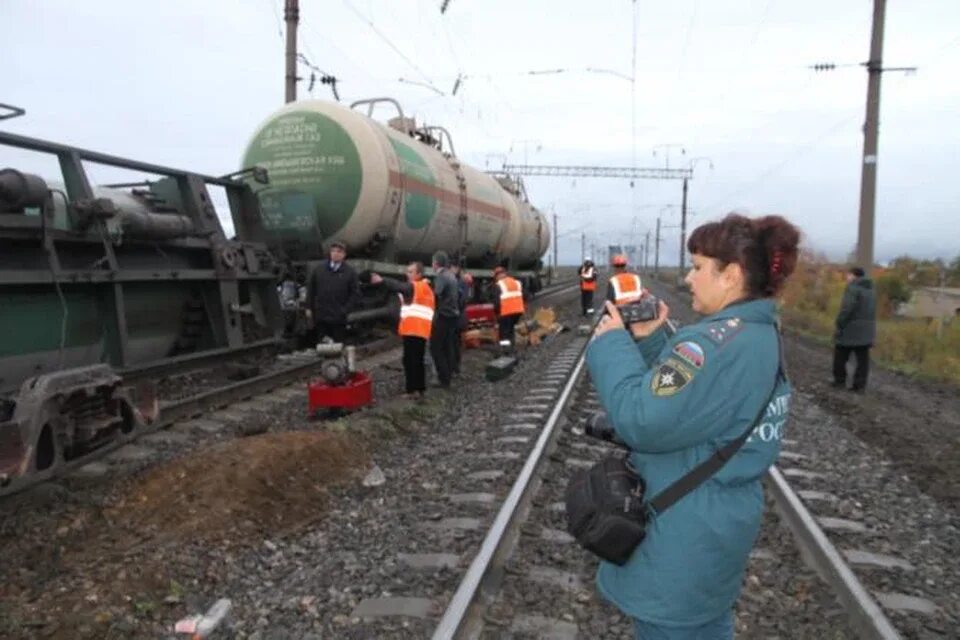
x,y
416,318
626,288
511,297
588,285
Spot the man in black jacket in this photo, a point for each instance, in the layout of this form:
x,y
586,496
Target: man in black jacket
x,y
333,291
445,320
856,330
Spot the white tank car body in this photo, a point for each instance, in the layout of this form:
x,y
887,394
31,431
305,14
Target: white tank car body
x,y
336,173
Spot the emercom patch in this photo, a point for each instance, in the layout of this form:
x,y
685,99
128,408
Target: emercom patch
x,y
669,378
722,330
691,353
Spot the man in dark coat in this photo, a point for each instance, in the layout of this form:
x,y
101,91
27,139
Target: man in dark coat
x,y
463,295
856,330
444,333
333,291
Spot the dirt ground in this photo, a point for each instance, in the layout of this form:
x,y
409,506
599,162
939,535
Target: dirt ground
x,y
126,551
916,423
116,562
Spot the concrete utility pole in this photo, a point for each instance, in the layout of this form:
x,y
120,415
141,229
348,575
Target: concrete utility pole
x,y
646,253
656,250
291,15
683,232
583,247
871,134
555,264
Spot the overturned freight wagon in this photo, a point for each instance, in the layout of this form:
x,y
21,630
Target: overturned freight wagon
x,y
100,285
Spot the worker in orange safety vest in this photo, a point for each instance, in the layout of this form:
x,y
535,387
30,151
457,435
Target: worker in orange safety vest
x,y
588,284
417,306
624,287
507,303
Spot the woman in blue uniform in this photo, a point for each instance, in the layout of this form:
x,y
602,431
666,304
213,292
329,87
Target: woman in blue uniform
x,y
679,398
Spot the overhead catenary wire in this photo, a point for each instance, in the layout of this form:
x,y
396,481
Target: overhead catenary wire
x,y
276,14
799,151
413,65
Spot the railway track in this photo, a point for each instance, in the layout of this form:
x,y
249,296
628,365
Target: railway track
x,y
465,538
287,369
488,602
491,598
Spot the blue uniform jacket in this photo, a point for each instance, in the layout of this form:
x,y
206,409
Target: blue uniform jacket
x,y
675,401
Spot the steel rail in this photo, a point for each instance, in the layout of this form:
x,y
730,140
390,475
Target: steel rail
x,y
463,608
178,410
865,614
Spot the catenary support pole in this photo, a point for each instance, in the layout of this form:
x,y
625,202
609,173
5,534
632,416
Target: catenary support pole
x,y
291,15
871,134
683,233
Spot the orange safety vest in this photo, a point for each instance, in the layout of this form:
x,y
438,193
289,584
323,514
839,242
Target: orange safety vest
x,y
588,285
626,288
511,297
416,318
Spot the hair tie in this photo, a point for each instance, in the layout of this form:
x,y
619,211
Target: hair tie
x,y
776,261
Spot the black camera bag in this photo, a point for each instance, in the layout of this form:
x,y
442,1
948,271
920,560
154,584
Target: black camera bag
x,y
606,511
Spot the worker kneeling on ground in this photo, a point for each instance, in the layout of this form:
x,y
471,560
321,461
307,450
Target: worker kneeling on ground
x,y
416,320
507,304
624,287
713,391
588,284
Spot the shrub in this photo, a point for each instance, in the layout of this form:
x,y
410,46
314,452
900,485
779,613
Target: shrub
x,y
812,298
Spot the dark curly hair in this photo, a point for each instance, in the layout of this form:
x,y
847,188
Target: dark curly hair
x,y
765,248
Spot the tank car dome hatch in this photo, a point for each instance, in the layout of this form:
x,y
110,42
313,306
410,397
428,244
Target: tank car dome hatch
x,y
336,172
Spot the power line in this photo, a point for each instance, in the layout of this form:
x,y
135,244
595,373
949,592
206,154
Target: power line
x,y
325,78
276,14
387,41
686,40
799,151
582,171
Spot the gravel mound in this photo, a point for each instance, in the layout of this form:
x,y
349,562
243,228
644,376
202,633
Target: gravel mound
x,y
262,483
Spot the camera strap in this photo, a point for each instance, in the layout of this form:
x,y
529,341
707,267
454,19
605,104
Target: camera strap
x,y
699,474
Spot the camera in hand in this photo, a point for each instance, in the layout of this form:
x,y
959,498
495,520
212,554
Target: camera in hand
x,y
598,426
643,310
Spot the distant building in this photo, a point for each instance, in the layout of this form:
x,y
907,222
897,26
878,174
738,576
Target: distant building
x,y
932,302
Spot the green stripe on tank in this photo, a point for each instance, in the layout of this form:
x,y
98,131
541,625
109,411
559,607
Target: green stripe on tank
x,y
315,173
419,208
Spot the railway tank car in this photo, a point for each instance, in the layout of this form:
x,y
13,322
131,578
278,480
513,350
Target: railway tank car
x,y
391,193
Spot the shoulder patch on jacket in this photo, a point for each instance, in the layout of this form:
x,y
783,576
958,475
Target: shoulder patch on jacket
x,y
670,377
691,353
720,331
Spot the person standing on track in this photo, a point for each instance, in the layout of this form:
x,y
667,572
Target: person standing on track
x,y
444,333
624,287
333,291
507,304
417,307
678,399
464,283
588,284
856,330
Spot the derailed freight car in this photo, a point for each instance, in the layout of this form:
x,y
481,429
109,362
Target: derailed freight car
x,y
393,193
101,285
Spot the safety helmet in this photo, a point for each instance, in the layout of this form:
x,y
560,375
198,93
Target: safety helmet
x,y
619,260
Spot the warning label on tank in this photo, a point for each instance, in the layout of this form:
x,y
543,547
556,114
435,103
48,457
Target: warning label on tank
x,y
314,170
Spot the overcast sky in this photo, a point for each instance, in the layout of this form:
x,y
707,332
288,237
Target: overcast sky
x,y
185,83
